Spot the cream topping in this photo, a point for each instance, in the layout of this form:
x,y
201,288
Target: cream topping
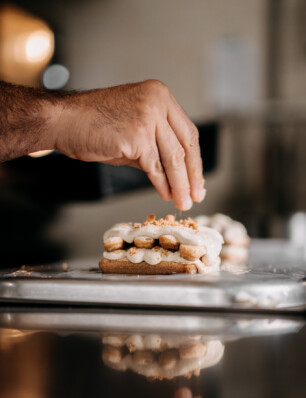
x,y
232,231
204,236
200,237
212,356
156,255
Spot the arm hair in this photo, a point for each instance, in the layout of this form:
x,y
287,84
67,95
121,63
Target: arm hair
x,y
26,120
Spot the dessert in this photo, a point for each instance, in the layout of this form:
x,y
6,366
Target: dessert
x,y
236,239
162,246
160,356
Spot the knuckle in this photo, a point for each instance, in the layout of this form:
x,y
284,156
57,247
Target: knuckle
x,y
150,162
154,94
155,167
156,87
194,137
176,157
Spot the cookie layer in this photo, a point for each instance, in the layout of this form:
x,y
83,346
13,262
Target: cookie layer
x,y
126,267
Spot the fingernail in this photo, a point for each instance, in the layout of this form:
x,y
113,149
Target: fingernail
x,y
187,204
200,195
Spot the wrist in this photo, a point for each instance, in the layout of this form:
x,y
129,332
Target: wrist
x,y
70,115
50,114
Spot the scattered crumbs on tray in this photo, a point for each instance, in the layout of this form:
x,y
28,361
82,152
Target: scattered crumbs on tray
x,y
263,302
245,298
235,268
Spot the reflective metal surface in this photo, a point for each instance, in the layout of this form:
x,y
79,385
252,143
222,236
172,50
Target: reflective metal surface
x,y
272,280
87,352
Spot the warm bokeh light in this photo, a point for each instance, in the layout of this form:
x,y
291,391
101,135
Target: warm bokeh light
x,y
26,46
36,47
39,46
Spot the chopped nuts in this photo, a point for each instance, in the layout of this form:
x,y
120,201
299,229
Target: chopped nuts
x,y
170,220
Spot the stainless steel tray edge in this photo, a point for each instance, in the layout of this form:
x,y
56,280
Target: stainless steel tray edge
x,y
275,295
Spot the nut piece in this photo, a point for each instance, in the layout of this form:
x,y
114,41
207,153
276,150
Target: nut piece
x,y
192,252
113,244
169,242
193,350
134,342
144,242
205,260
116,340
112,354
170,218
167,359
143,357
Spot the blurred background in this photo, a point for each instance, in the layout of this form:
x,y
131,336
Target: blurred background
x,y
237,67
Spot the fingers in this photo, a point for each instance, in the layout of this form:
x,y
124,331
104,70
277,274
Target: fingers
x,y
183,393
188,137
150,163
172,156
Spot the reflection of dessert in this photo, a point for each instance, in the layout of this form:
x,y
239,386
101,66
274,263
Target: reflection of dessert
x,y
163,246
236,239
161,357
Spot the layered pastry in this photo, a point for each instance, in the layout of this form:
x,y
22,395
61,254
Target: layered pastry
x,y
160,357
236,239
162,246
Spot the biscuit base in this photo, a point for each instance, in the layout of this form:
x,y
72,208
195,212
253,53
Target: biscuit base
x,y
163,268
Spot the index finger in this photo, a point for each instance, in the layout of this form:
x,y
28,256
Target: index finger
x,y
188,136
183,393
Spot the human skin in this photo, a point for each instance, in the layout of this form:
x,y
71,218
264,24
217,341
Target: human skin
x,y
184,393
139,125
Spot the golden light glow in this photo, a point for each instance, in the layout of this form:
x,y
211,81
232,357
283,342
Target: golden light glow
x,y
26,46
40,154
36,47
39,46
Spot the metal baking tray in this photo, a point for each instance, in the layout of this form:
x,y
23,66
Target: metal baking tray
x,y
96,320
272,280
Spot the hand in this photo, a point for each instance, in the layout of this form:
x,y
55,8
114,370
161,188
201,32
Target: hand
x,y
140,125
184,393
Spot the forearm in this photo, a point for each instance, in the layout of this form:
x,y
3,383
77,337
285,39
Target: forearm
x,y
27,120
138,124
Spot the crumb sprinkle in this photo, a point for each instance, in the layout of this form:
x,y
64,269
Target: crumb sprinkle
x,y
133,251
170,220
